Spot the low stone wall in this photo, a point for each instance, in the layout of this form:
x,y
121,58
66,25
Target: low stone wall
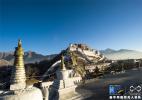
x,y
67,93
61,89
46,84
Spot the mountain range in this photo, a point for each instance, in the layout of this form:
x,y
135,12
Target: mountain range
x,y
121,54
7,58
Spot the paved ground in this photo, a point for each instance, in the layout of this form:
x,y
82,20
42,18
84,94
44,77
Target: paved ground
x,y
98,88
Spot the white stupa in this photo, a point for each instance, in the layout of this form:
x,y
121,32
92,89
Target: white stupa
x,y
18,89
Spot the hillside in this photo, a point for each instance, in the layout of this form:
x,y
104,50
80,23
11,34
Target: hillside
x,y
4,63
79,57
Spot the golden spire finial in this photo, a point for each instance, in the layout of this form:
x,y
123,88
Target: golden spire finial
x,y
19,43
62,63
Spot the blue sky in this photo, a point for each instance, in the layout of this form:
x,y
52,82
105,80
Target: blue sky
x,y
48,26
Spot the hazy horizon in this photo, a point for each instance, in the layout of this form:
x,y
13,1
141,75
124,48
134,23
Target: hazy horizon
x,y
65,48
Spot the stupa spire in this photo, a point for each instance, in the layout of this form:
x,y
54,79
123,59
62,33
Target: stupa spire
x,y
19,43
62,63
18,77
